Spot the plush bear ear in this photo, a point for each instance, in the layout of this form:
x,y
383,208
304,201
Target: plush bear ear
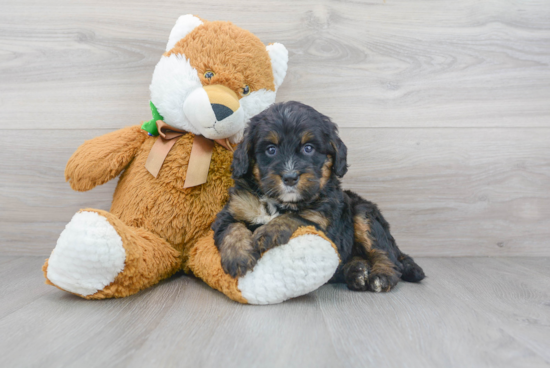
x,y
184,25
279,61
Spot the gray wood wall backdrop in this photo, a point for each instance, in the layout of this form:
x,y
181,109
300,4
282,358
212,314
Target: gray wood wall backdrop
x,y
445,106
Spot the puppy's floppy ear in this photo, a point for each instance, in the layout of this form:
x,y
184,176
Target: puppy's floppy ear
x,y
243,155
340,166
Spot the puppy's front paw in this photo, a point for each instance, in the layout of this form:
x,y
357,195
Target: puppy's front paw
x,y
263,239
270,235
236,251
237,264
356,275
382,282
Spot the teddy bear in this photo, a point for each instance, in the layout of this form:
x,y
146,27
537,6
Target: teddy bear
x,y
174,175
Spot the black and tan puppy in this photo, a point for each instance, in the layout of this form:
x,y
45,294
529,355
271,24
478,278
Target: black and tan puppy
x,y
286,174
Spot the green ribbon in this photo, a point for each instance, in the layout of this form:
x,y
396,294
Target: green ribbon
x,y
151,125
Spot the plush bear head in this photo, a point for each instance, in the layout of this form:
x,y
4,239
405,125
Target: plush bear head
x,y
214,76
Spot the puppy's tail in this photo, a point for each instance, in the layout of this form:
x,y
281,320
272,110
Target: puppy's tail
x,y
412,272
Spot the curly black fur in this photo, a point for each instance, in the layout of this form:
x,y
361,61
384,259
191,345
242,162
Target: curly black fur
x,y
287,174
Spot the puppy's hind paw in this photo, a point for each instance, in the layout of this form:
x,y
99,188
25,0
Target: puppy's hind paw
x,y
382,282
356,275
411,271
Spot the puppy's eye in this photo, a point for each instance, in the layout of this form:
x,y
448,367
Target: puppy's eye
x,y
246,90
209,74
308,149
271,150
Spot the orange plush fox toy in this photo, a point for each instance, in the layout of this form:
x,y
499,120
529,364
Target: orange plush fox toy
x,y
175,178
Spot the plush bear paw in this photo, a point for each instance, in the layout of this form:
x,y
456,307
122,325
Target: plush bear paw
x,y
88,255
302,265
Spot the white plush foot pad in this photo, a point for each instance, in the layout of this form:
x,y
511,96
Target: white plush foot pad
x,y
290,270
88,255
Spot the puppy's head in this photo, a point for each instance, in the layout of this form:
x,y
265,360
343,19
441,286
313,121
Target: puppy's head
x,y
291,152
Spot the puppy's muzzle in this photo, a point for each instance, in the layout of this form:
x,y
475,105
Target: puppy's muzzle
x,y
290,179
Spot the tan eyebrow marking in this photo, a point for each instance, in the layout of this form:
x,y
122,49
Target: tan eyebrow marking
x,y
273,137
307,136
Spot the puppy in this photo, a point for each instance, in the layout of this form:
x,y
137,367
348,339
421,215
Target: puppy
x,y
287,174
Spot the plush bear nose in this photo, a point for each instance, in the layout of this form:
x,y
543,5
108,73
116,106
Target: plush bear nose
x,y
221,111
290,179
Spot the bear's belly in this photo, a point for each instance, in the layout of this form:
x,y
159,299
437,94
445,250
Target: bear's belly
x,y
161,205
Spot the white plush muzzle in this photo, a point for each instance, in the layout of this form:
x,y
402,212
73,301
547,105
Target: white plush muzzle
x,y
198,110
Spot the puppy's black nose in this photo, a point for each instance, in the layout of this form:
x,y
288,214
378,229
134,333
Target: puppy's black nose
x,y
290,179
221,111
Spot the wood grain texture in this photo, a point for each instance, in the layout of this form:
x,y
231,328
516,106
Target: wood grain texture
x,y
452,319
21,284
396,63
507,296
444,106
35,201
457,192
452,192
469,312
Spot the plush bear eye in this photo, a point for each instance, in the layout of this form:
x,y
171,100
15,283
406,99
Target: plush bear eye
x,y
308,149
246,90
271,150
209,74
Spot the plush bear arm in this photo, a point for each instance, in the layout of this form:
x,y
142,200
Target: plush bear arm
x,y
101,159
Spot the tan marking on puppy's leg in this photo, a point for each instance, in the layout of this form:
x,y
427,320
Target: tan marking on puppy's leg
x,y
380,262
236,251
383,275
361,227
245,206
315,217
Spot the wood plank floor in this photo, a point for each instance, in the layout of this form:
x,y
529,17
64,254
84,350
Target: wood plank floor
x,y
469,312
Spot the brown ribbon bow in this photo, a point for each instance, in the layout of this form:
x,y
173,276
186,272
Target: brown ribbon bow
x,y
199,159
